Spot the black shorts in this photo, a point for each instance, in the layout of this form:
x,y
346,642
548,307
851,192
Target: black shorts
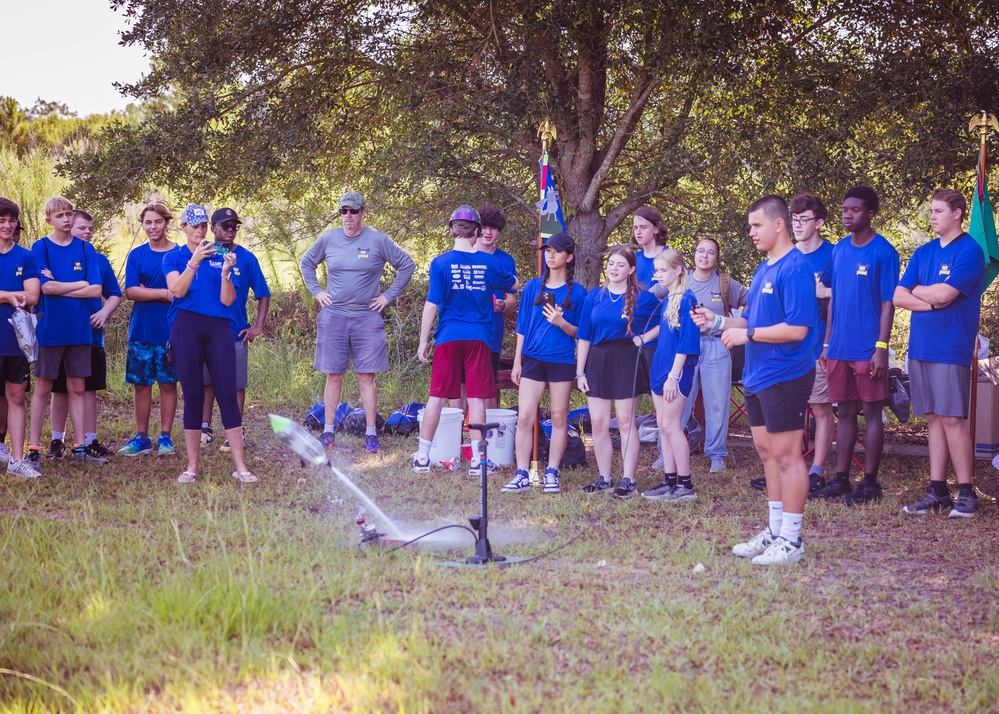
x,y
538,371
616,370
781,407
98,378
14,369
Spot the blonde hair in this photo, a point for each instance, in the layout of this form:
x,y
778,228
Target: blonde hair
x,y
56,204
671,259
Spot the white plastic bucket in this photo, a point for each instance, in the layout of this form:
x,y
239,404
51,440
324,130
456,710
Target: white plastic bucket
x,y
446,447
502,440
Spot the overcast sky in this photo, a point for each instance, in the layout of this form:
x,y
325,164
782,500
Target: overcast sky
x,y
66,51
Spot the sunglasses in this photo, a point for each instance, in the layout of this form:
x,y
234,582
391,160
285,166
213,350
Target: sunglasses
x,y
230,226
352,211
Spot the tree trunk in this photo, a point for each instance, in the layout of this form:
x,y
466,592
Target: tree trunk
x,y
588,230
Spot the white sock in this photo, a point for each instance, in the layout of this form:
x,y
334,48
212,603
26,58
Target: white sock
x,y
423,452
371,431
89,437
328,429
790,529
205,425
58,435
776,516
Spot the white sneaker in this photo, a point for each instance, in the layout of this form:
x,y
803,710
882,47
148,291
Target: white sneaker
x,y
4,453
755,546
22,469
781,551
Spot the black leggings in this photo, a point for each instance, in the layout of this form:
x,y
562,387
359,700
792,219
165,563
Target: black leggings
x,y
198,340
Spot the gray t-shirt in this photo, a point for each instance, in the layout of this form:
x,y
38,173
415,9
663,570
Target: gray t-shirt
x,y
354,269
708,294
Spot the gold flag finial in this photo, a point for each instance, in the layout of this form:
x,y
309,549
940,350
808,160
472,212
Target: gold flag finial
x,y
984,123
547,131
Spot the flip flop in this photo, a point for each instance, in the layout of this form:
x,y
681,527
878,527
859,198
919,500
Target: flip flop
x,y
187,477
244,476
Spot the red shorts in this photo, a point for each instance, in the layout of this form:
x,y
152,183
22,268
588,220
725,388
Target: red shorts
x,y
468,361
851,381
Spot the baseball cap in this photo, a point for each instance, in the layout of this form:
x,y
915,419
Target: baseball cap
x,y
352,199
194,215
561,242
222,215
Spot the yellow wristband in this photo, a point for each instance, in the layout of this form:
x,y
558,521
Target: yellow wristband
x,y
882,345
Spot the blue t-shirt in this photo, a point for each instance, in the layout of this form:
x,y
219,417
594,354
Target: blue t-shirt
x,y
65,320
604,320
645,269
508,265
248,274
861,280
947,335
204,297
542,340
16,266
144,268
462,287
109,288
782,292
684,340
819,261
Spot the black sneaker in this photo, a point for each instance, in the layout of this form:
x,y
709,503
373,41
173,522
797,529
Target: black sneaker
x,y
836,489
866,492
100,450
929,502
599,486
816,482
86,454
966,506
659,491
759,483
626,489
57,449
34,457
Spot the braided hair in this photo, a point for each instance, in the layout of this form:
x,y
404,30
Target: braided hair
x,y
570,271
632,288
673,260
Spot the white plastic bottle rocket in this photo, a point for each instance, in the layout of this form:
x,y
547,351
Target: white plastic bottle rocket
x,y
299,440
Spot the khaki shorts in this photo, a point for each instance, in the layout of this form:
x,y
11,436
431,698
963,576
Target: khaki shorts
x,y
820,389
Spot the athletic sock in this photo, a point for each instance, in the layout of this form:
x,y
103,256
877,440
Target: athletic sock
x,y
776,509
871,479
165,433
423,451
965,489
89,437
205,425
34,447
328,429
58,436
790,528
940,489
143,435
843,476
686,482
671,480
817,470
371,431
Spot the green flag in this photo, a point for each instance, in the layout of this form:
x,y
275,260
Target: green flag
x,y
983,223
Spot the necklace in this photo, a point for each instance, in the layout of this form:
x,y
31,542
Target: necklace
x,y
619,296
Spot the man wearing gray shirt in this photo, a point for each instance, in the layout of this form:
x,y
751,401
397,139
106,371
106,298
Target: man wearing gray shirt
x,y
350,324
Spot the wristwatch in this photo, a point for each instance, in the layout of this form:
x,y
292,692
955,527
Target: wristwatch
x,y
749,334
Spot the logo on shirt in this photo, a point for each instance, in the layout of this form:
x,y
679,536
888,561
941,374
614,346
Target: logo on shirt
x,y
716,297
20,269
235,269
945,269
862,269
362,253
768,287
77,265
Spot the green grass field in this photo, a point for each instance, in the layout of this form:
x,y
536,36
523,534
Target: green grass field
x,y
124,591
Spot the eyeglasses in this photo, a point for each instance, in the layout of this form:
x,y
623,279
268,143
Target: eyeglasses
x,y
230,226
802,221
705,251
352,211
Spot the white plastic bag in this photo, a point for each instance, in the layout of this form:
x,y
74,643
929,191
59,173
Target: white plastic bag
x,y
24,324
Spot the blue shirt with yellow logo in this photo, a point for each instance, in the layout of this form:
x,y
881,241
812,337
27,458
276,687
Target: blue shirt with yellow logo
x,y
16,266
246,275
65,320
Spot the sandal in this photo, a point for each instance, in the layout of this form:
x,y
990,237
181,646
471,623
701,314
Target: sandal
x,y
244,476
187,477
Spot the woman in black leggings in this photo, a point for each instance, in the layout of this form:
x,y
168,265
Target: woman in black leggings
x,y
200,279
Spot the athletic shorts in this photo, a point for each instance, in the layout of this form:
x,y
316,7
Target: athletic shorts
x,y
820,389
98,378
851,381
340,340
74,358
685,385
538,371
14,369
941,389
242,366
781,407
148,363
467,361
496,363
617,370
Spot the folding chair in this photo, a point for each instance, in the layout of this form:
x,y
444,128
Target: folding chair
x,y
738,409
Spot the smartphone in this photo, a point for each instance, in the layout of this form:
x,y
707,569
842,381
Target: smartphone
x,y
227,245
221,249
547,298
